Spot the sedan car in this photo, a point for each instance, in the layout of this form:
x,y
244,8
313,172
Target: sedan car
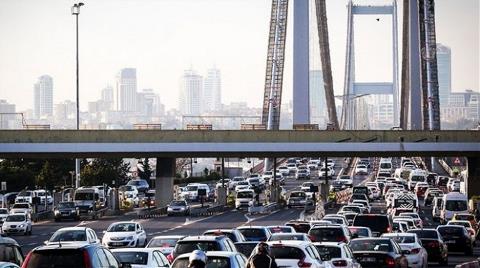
x,y
337,254
73,235
141,185
66,210
222,259
206,243
361,169
378,252
468,225
297,199
141,257
17,223
457,238
124,234
417,256
432,241
178,207
164,243
295,254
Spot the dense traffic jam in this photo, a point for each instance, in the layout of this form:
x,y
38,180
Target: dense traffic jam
x,y
381,225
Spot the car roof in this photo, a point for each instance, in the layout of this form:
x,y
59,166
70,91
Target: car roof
x,y
251,227
220,230
225,254
64,246
73,229
290,242
398,234
330,244
167,236
201,238
8,240
148,250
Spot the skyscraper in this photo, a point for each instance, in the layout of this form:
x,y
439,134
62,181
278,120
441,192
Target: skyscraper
x,y
43,97
126,95
317,98
190,102
444,63
148,103
212,91
107,97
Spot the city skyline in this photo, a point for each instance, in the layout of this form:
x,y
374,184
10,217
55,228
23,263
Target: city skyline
x,y
241,74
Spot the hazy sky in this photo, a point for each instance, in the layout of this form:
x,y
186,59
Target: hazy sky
x,y
161,38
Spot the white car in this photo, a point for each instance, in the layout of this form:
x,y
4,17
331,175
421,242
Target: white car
x,y
21,208
267,175
224,259
164,243
234,182
73,235
292,168
346,179
337,254
330,172
25,197
124,234
361,169
44,195
130,193
141,257
243,185
307,254
284,170
416,218
417,258
17,223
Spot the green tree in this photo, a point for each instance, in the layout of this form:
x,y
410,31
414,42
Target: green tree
x,y
46,177
146,170
102,170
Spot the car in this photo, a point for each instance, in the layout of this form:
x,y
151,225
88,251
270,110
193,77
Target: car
x,y
247,247
295,254
336,219
468,225
378,223
77,255
346,179
130,193
432,241
164,243
408,220
299,226
329,170
350,216
141,185
21,208
421,188
337,254
302,174
457,238
17,223
275,229
356,196
8,265
234,234
25,196
361,170
255,233
466,217
284,170
337,186
44,196
124,234
360,231
178,207
289,236
417,256
297,199
349,208
9,245
222,259
241,185
292,168
205,243
329,233
430,194
369,252
416,218
234,181
306,186
362,203
141,257
66,210
399,226
73,235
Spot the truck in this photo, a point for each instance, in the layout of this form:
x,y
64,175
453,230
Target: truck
x,y
404,202
87,201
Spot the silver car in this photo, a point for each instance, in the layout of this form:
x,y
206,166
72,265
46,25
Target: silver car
x,y
178,207
222,259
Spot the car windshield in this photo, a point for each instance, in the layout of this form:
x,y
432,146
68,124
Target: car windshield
x,y
445,231
298,194
192,188
132,257
40,193
68,235
280,229
279,237
15,218
162,243
212,262
328,252
189,246
371,245
286,252
3,211
66,205
177,203
456,205
432,234
57,258
252,233
327,234
10,253
20,205
84,196
417,178
122,227
402,239
25,194
244,195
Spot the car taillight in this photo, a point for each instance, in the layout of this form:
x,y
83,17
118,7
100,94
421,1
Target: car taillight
x,y
27,259
339,263
170,257
312,238
389,229
86,259
471,232
341,239
390,262
433,244
303,263
415,251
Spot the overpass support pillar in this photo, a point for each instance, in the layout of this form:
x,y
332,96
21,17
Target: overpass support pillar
x,y
473,176
165,174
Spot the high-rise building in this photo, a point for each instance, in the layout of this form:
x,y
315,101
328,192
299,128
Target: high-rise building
x,y
65,110
318,106
107,97
190,102
8,118
126,91
43,97
212,91
444,65
149,103
381,111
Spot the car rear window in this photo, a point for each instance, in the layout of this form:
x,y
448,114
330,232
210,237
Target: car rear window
x,y
252,233
227,234
189,246
328,252
286,252
280,237
245,248
300,227
450,231
140,258
425,233
327,234
68,258
162,243
376,223
212,262
371,245
280,229
361,232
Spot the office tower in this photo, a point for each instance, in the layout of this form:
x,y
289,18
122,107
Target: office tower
x,y
126,93
43,97
317,98
212,91
107,97
148,103
8,118
444,63
190,102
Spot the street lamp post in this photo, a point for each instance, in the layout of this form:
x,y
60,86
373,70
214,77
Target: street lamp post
x,y
76,12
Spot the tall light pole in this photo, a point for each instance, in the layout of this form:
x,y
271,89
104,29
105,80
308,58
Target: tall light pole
x,y
76,12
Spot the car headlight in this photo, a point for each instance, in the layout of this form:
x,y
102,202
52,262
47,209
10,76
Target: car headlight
x,y
129,238
56,211
21,225
73,211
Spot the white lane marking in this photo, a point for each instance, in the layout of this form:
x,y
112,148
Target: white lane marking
x,y
249,220
85,223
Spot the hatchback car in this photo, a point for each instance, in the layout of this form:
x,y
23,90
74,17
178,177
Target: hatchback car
x,y
66,210
141,257
432,241
204,243
417,256
73,235
378,252
222,259
178,207
124,234
457,238
255,233
337,254
17,223
329,233
164,243
295,254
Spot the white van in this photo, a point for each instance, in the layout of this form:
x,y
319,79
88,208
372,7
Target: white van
x,y
244,198
416,175
191,192
386,165
452,203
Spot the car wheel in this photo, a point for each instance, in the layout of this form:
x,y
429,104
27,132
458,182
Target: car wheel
x,y
30,232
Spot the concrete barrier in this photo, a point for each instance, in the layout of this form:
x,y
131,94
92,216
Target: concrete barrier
x,y
151,213
207,211
264,209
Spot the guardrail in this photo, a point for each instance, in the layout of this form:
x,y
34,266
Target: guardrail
x,y
151,213
44,215
471,264
206,211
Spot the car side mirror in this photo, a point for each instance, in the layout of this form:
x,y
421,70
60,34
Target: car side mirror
x,y
125,265
104,232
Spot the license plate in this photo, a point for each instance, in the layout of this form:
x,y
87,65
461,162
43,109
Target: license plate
x,y
369,259
450,241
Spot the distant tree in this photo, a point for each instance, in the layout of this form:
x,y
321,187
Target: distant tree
x,y
146,170
47,177
102,170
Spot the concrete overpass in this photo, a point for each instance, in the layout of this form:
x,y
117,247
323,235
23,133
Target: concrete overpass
x,y
166,145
